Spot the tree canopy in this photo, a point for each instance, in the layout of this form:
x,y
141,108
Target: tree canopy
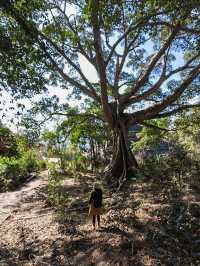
x,y
146,55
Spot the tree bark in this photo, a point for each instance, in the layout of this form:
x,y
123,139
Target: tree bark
x,y
123,160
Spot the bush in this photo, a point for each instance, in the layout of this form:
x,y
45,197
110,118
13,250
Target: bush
x,y
73,160
29,161
173,173
42,165
14,171
8,145
11,172
56,196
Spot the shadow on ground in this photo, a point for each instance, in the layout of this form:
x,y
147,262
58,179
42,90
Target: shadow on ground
x,y
139,227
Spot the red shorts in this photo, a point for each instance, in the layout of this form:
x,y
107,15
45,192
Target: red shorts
x,y
94,211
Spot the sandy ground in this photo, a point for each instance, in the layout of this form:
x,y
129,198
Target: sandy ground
x,y
136,228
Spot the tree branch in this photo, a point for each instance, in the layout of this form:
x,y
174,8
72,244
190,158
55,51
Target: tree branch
x,y
153,89
152,111
80,47
121,64
35,33
100,61
182,68
141,22
93,116
177,110
162,78
61,52
71,80
182,27
151,66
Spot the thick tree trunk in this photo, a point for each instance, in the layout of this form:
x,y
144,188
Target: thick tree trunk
x,y
123,160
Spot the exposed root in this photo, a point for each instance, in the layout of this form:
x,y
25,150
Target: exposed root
x,y
123,159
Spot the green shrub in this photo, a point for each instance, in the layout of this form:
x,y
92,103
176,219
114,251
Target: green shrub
x,y
11,172
8,145
14,171
73,160
29,161
173,173
42,164
56,195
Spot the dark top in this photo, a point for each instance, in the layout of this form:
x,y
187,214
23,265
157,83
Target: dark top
x,y
96,198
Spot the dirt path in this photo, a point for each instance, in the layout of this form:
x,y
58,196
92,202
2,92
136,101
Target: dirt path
x,y
29,197
27,221
18,200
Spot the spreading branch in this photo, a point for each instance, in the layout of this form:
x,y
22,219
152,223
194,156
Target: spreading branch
x,y
139,24
35,33
88,115
177,110
71,63
182,68
162,79
154,110
100,62
154,88
72,81
82,50
141,82
120,65
181,27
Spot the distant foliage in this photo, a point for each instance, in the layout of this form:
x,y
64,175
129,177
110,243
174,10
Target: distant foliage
x,y
10,173
14,171
173,172
77,137
56,196
8,145
73,159
188,132
30,162
17,160
150,137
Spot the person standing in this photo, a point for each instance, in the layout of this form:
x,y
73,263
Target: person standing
x,y
95,202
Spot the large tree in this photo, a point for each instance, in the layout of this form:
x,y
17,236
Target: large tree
x,y
133,46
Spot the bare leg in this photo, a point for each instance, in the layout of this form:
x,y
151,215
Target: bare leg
x,y
98,220
93,221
